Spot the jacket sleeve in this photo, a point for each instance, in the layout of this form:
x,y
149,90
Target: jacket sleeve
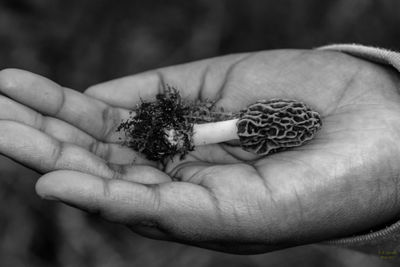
x,y
384,243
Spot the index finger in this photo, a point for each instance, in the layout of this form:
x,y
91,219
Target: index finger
x,y
90,115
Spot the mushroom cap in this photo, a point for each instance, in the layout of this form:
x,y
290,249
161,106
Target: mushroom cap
x,y
269,126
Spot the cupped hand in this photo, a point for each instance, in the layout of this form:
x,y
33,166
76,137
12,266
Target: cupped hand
x,y
345,181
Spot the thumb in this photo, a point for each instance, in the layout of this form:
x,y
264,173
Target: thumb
x,y
171,211
115,200
199,80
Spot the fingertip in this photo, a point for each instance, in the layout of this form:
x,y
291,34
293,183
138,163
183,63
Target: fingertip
x,y
90,91
49,184
115,200
9,78
102,89
61,184
29,88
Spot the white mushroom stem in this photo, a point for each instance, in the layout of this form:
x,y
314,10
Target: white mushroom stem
x,y
215,132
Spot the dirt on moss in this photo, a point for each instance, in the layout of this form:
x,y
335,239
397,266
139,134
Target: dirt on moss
x,y
163,128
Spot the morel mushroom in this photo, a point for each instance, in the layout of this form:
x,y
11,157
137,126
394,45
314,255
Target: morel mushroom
x,y
169,126
265,127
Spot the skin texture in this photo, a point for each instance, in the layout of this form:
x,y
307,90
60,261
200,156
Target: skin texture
x,y
345,181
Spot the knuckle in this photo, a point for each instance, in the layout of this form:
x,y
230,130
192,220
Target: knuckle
x,y
57,151
108,117
99,149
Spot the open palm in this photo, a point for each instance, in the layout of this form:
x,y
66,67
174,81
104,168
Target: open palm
x,y
345,181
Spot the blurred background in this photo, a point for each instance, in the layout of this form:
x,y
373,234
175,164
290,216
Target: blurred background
x,y
80,43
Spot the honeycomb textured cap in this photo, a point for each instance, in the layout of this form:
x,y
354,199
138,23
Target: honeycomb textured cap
x,y
270,126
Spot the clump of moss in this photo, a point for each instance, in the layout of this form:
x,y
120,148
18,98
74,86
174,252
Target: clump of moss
x,y
163,128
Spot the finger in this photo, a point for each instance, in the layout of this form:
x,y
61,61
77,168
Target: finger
x,y
141,174
158,206
115,200
199,80
65,132
90,115
191,172
202,173
44,153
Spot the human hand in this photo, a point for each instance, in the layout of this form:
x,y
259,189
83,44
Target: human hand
x,y
343,182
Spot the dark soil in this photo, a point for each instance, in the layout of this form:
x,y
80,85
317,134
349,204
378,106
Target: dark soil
x,y
163,128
